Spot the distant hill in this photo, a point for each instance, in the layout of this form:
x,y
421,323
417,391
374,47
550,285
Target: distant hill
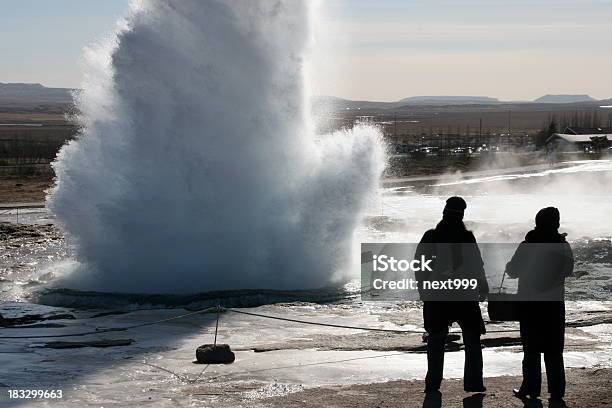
x,y
33,94
326,103
332,103
448,100
564,99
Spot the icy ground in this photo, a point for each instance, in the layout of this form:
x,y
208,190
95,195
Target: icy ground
x,y
153,365
272,357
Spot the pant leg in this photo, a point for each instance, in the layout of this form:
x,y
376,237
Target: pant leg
x,y
532,373
472,369
436,325
555,374
435,360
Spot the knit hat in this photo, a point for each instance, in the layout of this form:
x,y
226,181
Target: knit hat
x,y
548,218
455,206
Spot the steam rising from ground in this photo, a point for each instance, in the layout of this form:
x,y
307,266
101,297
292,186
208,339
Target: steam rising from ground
x,y
581,189
502,206
197,167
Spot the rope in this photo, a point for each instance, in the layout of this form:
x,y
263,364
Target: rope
x,y
219,309
259,370
181,378
185,378
341,326
286,319
217,325
116,329
384,204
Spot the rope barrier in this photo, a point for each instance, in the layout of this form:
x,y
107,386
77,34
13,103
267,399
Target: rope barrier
x,y
286,319
341,326
186,379
260,370
344,360
181,378
384,204
116,329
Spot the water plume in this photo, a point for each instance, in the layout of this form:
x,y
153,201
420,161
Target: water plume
x,y
197,167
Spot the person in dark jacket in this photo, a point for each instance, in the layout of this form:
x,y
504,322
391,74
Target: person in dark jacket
x,y
456,256
541,263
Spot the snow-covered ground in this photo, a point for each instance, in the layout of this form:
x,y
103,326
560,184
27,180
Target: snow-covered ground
x,y
278,357
158,366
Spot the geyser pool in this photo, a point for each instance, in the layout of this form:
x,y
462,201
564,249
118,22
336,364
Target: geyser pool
x,y
197,167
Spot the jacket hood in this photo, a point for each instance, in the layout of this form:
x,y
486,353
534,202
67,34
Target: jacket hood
x,y
539,235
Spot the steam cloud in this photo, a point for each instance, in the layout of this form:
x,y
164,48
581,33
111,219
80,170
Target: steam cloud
x,y
197,167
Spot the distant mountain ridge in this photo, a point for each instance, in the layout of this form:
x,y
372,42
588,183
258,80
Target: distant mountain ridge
x,y
20,87
564,99
33,94
424,100
16,94
335,103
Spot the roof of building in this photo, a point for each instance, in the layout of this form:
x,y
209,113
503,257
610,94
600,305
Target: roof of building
x,y
578,138
571,130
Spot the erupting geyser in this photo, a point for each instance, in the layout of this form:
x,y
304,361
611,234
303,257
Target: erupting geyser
x,y
197,167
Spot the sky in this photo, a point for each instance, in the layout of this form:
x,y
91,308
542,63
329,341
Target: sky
x,y
370,49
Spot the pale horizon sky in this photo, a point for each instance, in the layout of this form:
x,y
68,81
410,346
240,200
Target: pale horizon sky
x,y
372,50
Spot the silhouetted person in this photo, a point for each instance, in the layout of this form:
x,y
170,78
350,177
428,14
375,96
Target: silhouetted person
x,y
541,263
456,255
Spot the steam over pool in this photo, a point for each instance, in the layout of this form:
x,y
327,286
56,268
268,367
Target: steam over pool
x,y
197,167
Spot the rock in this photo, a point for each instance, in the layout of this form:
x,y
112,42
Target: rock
x,y
38,326
92,343
450,337
33,318
211,354
111,313
580,274
501,342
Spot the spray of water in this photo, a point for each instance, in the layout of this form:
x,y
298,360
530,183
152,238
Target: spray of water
x,y
197,167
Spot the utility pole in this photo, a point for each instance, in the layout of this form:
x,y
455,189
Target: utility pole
x,y
509,125
395,125
480,133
